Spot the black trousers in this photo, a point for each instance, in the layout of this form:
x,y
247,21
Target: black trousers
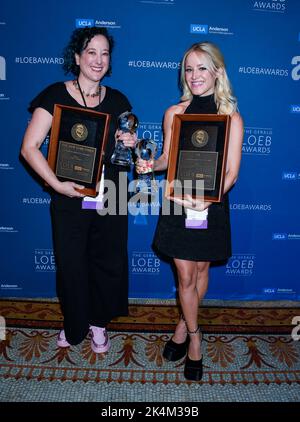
x,y
92,266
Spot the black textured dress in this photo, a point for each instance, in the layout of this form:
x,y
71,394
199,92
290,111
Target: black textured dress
x,y
211,244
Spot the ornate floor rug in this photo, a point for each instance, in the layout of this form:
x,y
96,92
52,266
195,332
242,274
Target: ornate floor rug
x,y
249,355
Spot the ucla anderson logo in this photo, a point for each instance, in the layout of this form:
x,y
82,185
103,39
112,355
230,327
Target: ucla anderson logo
x,y
295,108
269,290
198,29
279,236
82,23
290,175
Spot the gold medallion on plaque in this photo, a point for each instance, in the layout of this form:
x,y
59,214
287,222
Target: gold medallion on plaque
x,y
199,138
79,132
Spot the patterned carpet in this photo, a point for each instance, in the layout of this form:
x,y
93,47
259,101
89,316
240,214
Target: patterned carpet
x,y
249,355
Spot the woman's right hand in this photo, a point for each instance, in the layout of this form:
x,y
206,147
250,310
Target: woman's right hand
x,y
68,189
194,204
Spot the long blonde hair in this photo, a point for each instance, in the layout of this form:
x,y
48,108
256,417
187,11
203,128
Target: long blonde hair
x,y
224,98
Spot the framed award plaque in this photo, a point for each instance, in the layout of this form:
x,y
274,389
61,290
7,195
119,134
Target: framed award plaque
x,y
197,158
77,146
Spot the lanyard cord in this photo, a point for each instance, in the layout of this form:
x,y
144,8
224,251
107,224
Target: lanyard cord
x,y
82,96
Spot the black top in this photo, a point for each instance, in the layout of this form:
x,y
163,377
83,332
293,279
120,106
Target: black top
x,y
202,105
173,239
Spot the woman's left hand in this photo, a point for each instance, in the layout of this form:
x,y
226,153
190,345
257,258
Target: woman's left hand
x,y
129,139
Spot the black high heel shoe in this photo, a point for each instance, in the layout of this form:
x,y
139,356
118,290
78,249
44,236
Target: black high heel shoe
x,y
193,369
175,351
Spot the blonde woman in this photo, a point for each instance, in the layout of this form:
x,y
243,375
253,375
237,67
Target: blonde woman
x,y
206,90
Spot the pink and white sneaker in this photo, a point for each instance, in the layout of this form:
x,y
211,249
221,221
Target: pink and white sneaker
x,y
61,339
100,342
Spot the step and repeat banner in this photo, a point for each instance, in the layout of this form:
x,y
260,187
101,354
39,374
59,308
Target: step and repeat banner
x,y
261,44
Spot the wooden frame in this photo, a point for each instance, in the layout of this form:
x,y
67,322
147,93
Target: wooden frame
x,y
198,151
77,146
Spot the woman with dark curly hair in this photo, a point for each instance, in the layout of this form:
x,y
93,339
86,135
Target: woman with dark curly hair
x,y
90,249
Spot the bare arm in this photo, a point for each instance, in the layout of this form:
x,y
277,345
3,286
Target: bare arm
x,y
234,151
162,162
35,134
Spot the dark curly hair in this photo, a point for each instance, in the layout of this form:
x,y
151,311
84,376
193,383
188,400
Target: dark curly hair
x,y
78,42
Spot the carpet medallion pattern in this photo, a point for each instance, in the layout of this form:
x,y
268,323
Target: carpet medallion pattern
x,y
240,346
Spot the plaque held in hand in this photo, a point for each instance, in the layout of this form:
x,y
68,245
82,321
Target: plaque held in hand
x,y
77,146
198,154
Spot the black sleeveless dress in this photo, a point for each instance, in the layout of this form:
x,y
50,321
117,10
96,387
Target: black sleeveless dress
x,y
211,244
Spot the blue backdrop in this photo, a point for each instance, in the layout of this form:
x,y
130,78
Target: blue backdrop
x,y
261,43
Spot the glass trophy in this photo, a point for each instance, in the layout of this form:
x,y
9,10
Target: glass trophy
x,y
127,122
145,149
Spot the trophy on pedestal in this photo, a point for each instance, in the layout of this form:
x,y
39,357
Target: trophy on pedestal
x,y
127,122
145,149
